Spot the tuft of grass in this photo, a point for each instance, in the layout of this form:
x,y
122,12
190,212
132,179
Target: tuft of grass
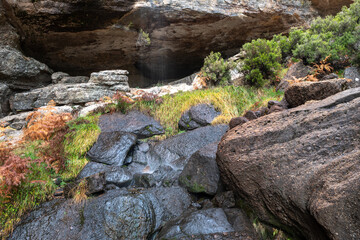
x,y
79,192
232,101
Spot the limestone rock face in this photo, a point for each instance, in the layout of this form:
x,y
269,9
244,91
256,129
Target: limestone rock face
x,y
159,39
299,169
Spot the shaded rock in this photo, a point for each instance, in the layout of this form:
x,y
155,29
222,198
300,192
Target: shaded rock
x,y
71,80
57,76
145,180
237,121
298,170
135,122
82,43
20,72
111,148
353,74
240,222
5,93
61,94
250,115
329,77
93,184
296,70
198,116
330,6
201,173
117,214
299,93
197,223
224,199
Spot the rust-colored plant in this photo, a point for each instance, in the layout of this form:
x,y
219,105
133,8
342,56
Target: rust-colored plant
x,y
44,122
323,68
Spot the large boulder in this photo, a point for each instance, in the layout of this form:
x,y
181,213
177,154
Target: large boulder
x,y
21,72
299,93
118,214
135,122
198,116
299,169
157,39
201,173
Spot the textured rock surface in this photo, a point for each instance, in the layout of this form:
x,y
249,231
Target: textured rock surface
x,y
134,122
61,94
111,148
81,36
299,169
299,93
118,214
21,72
237,121
198,116
330,6
296,70
201,173
353,74
4,99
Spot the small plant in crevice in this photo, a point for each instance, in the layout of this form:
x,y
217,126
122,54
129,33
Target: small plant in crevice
x,y
79,192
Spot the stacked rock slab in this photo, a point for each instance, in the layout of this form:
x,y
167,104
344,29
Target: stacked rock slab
x,y
299,169
102,84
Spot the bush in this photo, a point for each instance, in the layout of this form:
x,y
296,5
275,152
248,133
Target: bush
x,y
216,70
262,61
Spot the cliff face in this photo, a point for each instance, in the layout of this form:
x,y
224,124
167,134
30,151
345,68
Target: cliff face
x,y
156,39
330,6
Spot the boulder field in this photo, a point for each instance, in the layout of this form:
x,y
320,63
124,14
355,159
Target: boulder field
x,y
299,169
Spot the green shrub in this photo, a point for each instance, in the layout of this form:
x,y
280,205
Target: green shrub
x,y
216,69
262,61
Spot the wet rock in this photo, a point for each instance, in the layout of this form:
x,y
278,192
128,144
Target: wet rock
x,y
20,72
198,116
116,175
135,122
201,173
117,214
250,115
298,170
353,74
237,121
111,148
144,180
116,79
93,184
296,70
197,223
61,94
83,44
299,93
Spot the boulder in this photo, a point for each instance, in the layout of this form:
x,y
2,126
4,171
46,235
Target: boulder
x,y
20,72
113,78
237,121
353,74
299,169
198,116
251,115
111,148
296,70
329,77
135,122
197,223
61,94
299,93
201,173
57,76
117,214
80,37
93,184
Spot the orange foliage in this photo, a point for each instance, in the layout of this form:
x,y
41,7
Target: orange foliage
x,y
44,122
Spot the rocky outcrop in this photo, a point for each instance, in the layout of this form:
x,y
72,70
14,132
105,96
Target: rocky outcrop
x,y
299,93
353,74
299,169
330,6
155,39
296,70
